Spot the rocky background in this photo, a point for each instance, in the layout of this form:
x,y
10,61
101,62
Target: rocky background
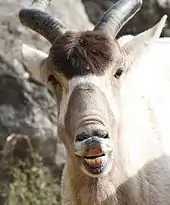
x,y
151,12
26,107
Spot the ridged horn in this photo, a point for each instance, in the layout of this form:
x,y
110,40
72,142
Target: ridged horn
x,y
40,21
118,15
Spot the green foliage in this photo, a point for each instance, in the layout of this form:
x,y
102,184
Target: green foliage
x,y
33,184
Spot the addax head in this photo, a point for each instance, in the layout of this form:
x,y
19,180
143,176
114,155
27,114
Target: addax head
x,y
83,71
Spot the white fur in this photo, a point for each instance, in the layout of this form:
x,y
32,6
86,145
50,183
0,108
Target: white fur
x,y
145,90
102,82
145,96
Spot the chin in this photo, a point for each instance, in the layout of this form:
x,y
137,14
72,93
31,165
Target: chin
x,y
98,166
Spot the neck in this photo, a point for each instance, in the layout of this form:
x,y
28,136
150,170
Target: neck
x,y
87,190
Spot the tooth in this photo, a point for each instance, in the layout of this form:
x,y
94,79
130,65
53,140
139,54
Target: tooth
x,y
97,161
90,161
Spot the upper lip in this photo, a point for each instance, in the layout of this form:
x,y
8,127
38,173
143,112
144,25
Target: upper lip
x,y
92,119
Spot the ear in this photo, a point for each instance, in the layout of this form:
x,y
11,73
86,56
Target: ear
x,y
124,39
139,45
33,59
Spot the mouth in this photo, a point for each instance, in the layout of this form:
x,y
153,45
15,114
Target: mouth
x,y
95,155
95,165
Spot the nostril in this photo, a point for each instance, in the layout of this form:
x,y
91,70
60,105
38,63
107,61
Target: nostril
x,y
82,136
101,134
97,133
106,136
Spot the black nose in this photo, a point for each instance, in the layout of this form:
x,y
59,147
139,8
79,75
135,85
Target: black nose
x,y
94,133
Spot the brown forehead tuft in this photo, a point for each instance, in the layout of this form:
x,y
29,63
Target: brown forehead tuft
x,y
82,53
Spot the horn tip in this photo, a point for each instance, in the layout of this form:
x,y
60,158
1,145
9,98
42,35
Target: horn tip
x,y
163,20
22,14
27,15
140,3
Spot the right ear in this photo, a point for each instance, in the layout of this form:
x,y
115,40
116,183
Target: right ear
x,y
32,59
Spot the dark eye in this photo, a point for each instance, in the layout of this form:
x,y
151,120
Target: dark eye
x,y
56,88
53,81
118,73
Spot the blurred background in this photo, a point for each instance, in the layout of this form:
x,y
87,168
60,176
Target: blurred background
x,y
26,107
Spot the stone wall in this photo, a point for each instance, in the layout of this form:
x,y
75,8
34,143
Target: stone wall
x,y
151,12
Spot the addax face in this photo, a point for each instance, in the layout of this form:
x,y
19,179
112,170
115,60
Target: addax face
x,y
79,71
85,88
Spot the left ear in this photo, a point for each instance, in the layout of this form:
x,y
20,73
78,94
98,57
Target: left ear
x,y
138,46
33,58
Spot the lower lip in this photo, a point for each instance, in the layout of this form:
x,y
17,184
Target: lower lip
x,y
96,165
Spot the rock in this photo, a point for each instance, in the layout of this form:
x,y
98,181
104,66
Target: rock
x,y
26,106
165,4
13,34
71,13
151,12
